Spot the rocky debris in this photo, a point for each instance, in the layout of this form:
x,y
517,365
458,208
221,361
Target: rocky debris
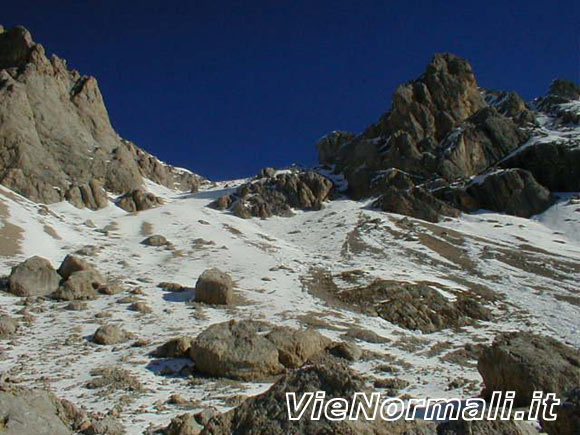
x,y
138,200
267,412
140,307
415,306
174,348
57,138
33,277
76,306
214,287
513,191
8,327
156,240
184,424
347,350
250,350
110,334
114,379
415,202
485,427
567,415
277,195
90,195
524,363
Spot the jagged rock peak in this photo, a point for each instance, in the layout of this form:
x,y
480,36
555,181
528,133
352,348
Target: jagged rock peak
x,y
57,139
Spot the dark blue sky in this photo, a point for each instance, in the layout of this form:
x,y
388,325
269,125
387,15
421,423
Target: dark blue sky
x,y
227,87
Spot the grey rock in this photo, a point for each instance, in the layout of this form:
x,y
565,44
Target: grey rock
x,y
72,264
80,286
174,348
8,327
110,334
277,195
58,142
138,200
33,277
524,363
347,350
214,287
155,240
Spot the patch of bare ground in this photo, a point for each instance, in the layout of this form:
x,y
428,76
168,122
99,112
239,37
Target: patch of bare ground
x,y
526,261
10,234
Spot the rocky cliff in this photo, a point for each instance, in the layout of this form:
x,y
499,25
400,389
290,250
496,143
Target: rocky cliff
x,y
56,139
443,130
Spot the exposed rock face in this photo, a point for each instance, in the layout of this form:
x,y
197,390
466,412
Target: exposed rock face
x,y
485,427
57,140
110,334
568,415
267,412
442,129
515,192
139,200
555,165
415,202
33,277
214,287
560,93
524,363
250,350
277,195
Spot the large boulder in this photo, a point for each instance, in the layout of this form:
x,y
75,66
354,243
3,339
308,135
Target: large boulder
x,y
236,350
33,277
72,264
524,363
91,195
251,350
214,287
277,195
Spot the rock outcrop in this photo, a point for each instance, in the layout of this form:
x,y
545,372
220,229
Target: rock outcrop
x,y
524,363
277,195
567,415
138,200
267,412
57,142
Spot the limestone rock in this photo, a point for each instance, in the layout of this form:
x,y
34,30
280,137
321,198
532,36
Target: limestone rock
x,y
524,363
277,195
138,200
33,277
110,334
214,287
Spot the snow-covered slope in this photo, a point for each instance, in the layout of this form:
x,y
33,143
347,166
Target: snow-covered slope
x,y
532,265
